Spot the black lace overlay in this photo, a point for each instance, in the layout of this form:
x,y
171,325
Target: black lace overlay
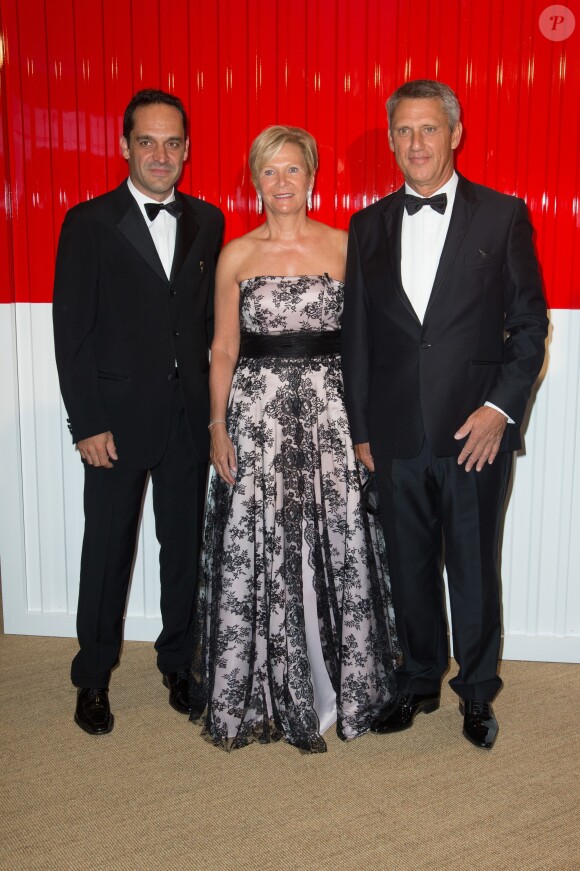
x,y
290,538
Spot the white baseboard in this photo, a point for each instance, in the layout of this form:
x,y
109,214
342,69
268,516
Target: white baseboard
x,y
529,648
542,648
54,624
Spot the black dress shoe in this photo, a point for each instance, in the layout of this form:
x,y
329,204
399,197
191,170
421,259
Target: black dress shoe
x,y
479,723
399,713
178,685
93,713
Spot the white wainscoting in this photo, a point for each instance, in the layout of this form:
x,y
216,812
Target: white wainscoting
x,y
41,516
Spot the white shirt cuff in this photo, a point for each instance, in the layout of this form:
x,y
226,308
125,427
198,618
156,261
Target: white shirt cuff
x,y
501,411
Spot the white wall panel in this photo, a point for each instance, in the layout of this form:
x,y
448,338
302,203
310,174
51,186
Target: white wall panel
x,y
41,517
541,556
41,513
12,559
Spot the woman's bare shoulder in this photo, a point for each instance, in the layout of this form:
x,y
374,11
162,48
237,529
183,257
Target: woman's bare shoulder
x,y
236,253
331,235
237,247
332,242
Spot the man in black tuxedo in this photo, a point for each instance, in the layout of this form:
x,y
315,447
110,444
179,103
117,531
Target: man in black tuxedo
x,y
443,337
133,309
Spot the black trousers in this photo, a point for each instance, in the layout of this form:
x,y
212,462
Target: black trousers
x,y
112,502
428,502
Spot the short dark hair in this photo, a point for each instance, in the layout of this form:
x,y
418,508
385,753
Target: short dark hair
x,y
151,97
426,89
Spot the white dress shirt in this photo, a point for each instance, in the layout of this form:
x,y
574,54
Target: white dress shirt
x,y
422,238
163,229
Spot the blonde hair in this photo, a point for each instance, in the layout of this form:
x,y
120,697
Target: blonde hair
x,y
271,140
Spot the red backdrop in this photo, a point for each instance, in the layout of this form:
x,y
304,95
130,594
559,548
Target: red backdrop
x,y
68,68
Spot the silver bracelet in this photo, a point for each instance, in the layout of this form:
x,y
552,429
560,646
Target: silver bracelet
x,y
213,422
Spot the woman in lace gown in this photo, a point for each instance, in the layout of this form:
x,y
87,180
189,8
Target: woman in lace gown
x,y
292,605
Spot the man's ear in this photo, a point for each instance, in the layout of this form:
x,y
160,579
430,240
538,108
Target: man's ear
x,y
124,148
456,135
186,149
391,143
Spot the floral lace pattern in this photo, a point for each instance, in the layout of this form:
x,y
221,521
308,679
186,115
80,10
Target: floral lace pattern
x,y
293,516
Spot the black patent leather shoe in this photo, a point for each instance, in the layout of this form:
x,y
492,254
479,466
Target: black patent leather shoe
x,y
399,713
93,713
479,722
178,684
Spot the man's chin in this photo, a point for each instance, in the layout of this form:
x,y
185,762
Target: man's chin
x,y
161,182
161,189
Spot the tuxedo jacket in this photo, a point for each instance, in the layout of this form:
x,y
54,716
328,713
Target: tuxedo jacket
x,y
120,325
482,337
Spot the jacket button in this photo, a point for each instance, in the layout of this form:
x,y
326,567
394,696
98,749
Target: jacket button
x,y
425,346
176,333
172,292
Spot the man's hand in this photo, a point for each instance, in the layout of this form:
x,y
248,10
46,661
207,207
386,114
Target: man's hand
x,y
98,450
485,428
363,453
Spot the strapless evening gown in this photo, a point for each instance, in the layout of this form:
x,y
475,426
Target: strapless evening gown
x,y
293,613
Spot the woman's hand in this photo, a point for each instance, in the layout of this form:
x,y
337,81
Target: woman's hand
x,y
222,454
363,454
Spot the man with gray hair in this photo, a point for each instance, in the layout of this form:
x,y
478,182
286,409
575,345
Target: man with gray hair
x,y
443,337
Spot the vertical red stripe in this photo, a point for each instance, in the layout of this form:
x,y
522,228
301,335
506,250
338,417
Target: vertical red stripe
x,y
117,82
8,90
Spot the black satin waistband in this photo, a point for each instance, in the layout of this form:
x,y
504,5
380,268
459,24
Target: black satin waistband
x,y
289,344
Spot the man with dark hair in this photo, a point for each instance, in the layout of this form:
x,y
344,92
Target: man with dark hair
x,y
438,274
152,97
133,313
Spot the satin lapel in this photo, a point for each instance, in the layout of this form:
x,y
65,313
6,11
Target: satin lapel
x,y
393,220
133,227
464,208
187,230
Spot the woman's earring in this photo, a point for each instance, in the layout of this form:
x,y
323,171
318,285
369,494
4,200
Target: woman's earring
x,y
259,203
309,200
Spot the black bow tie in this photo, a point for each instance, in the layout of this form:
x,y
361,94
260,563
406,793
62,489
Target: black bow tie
x,y
153,209
415,204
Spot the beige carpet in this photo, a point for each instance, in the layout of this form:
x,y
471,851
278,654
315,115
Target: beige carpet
x,y
155,795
